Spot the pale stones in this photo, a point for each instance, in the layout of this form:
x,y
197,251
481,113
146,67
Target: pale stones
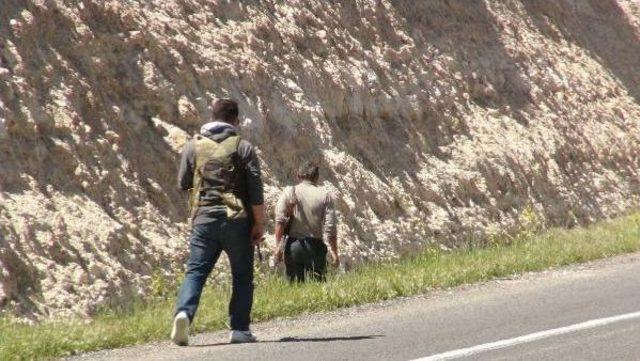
x,y
188,112
175,137
3,127
113,136
80,276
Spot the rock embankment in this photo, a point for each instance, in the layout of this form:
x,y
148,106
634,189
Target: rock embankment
x,y
435,122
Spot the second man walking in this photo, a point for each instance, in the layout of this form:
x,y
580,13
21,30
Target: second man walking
x,y
305,220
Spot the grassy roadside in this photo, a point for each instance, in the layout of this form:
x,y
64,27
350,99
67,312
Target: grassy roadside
x,y
369,283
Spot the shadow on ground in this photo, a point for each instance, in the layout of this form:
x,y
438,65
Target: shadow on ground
x,y
302,339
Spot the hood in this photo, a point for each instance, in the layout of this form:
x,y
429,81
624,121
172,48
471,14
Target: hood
x,y
218,130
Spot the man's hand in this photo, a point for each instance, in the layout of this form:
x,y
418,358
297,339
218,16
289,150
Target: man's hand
x,y
279,255
335,259
257,234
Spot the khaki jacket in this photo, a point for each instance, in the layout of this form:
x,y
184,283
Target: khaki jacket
x,y
313,213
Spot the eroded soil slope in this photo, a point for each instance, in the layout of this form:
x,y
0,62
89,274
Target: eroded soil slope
x,y
434,121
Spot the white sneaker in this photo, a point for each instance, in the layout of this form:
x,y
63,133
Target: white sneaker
x,y
242,337
180,331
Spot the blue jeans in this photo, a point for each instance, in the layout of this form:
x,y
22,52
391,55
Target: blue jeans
x,y
206,243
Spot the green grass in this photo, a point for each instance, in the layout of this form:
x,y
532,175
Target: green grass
x,y
428,270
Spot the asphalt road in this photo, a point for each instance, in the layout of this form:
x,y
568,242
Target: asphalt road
x,y
586,312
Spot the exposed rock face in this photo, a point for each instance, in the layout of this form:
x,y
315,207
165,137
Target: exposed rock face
x,y
435,122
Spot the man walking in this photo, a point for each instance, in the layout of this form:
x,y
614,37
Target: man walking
x,y
308,212
227,214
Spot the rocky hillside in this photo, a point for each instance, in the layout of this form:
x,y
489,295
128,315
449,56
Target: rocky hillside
x,y
438,121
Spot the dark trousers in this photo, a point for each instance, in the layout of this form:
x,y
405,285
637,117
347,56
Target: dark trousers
x,y
305,257
206,243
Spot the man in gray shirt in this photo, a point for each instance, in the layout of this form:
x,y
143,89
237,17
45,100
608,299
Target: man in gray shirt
x,y
306,213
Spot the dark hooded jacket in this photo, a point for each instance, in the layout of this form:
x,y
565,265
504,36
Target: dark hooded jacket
x,y
248,181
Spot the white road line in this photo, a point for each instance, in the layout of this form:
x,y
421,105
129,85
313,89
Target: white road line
x,y
463,352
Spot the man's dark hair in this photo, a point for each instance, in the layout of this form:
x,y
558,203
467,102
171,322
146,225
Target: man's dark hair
x,y
309,171
225,110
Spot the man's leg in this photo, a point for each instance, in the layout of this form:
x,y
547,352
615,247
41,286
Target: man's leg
x,y
297,272
203,254
319,263
290,270
236,236
293,266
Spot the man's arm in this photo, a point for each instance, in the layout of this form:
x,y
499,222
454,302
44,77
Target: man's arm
x,y
254,190
279,253
185,172
330,230
281,219
257,231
